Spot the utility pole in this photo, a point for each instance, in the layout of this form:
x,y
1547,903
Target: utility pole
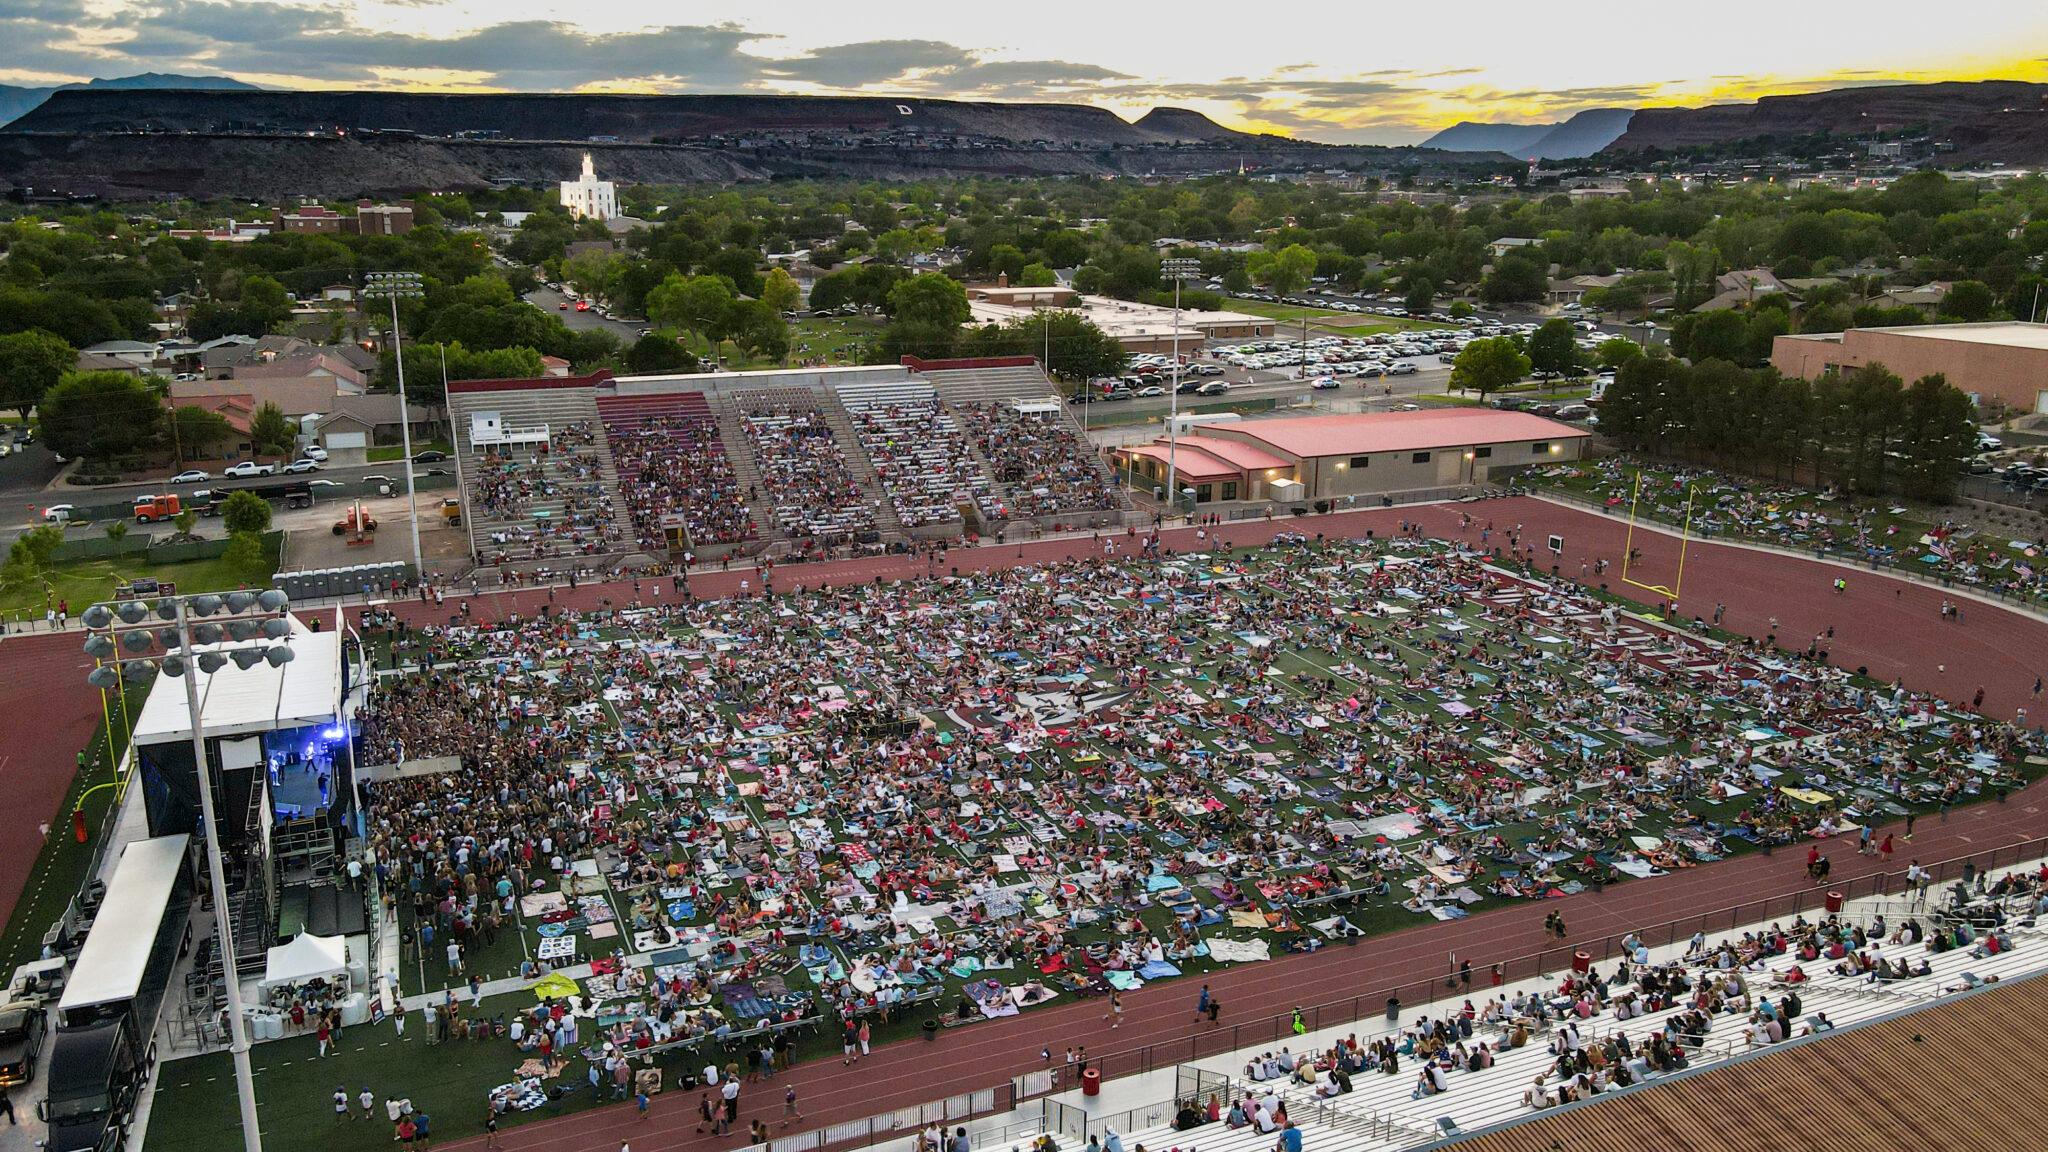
x,y
1177,270
396,286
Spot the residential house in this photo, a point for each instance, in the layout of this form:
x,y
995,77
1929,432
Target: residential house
x,y
554,366
237,408
1506,244
95,362
297,396
1926,299
1738,289
143,357
1574,290
358,423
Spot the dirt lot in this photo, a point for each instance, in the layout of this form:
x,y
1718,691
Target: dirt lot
x,y
311,543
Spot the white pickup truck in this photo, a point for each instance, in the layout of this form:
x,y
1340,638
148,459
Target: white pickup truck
x,y
249,468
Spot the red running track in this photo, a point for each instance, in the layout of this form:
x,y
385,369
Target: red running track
x,y
47,713
1892,627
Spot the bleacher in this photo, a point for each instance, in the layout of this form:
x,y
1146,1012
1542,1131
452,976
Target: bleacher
x,y
804,469
923,463
1382,1102
551,503
1042,463
672,462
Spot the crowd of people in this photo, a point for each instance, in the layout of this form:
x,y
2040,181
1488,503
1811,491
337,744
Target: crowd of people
x,y
924,464
676,465
803,466
990,791
543,501
1042,467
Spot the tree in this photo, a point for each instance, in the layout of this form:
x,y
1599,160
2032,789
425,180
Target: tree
x,y
1418,293
245,512
1284,271
929,300
1970,301
1618,350
1554,349
270,431
655,354
185,521
100,414
1036,276
117,530
1939,435
31,363
245,554
1461,310
690,303
1517,277
1079,350
28,559
1722,335
193,427
780,292
831,291
1488,365
758,329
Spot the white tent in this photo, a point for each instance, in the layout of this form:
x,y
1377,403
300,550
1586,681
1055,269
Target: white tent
x,y
307,957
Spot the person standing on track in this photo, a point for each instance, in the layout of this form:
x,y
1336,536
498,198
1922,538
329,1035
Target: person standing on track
x,y
1202,1004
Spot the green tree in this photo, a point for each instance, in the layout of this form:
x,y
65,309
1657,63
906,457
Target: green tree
x,y
245,554
692,304
269,431
1460,310
780,292
31,363
1720,335
193,427
1971,301
117,530
929,300
1616,351
245,513
1488,365
1554,349
832,291
100,414
1517,278
1284,271
1418,293
185,521
28,558
1939,435
758,330
1036,276
1079,350
657,354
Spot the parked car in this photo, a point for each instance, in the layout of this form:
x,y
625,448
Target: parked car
x,y
1988,443
1207,370
57,514
1152,390
430,456
1213,388
315,452
192,476
1574,412
249,468
300,467
1323,383
22,1028
1401,368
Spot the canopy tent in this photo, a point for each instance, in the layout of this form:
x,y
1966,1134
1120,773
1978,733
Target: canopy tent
x,y
307,957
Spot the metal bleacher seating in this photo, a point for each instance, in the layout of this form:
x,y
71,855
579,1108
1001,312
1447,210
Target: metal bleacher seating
x,y
672,461
922,461
554,505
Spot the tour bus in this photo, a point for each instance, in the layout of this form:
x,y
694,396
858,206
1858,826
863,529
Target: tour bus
x,y
103,1047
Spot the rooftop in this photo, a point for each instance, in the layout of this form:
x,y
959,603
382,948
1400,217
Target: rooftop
x,y
1357,435
2008,334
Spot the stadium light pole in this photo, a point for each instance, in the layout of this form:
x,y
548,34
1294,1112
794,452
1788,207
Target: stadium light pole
x,y
396,286
1177,270
113,627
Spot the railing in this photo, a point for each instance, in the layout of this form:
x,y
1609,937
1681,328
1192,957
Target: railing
x,y
1076,1123
1858,557
900,1122
1536,965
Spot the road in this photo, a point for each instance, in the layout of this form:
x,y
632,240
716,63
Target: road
x,y
549,300
27,497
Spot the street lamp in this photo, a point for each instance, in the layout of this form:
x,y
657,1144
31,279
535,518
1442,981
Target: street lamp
x,y
121,636
1177,270
396,286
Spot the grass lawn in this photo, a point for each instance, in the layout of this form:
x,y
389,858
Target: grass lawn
x,y
83,582
397,451
826,339
1345,323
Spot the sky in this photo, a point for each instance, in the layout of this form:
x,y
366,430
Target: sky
x,y
1348,71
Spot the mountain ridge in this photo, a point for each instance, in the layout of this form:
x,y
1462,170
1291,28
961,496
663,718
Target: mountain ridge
x,y
1584,134
17,101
